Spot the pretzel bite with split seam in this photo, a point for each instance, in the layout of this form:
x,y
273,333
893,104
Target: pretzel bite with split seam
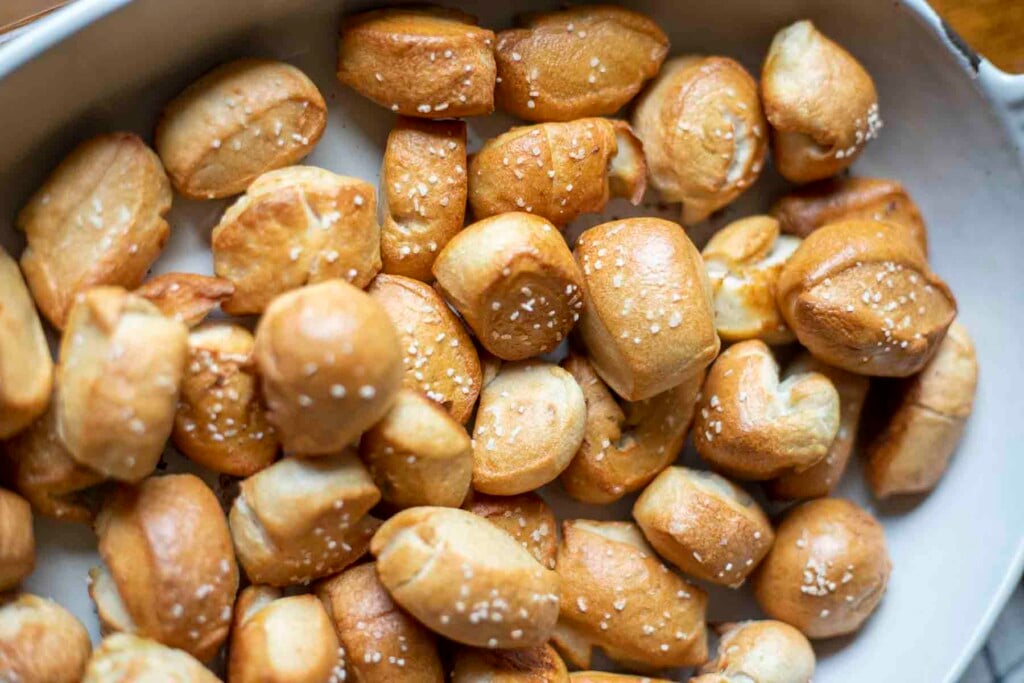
x,y
239,120
187,297
277,639
751,425
820,101
124,658
454,571
625,443
744,260
525,517
303,518
296,226
618,596
704,524
761,651
557,171
703,132
168,570
97,220
581,61
425,61
381,643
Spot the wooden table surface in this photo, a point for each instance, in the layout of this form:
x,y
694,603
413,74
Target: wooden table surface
x,y
994,28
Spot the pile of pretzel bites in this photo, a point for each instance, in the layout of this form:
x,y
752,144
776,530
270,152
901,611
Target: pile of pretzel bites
x,y
428,356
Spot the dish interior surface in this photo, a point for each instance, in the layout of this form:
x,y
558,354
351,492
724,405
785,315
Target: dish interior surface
x,y
955,553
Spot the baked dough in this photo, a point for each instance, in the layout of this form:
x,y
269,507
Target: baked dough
x,y
428,62
827,571
703,132
26,369
169,570
625,444
525,517
910,454
17,540
744,260
750,424
557,171
454,571
423,186
123,658
860,295
438,356
220,422
239,120
648,323
539,664
513,280
292,227
121,364
329,363
581,61
40,641
187,297
98,219
820,101
761,651
529,425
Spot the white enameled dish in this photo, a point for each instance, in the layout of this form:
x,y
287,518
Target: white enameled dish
x,y
953,136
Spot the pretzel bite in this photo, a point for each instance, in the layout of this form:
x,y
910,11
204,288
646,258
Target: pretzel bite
x,y
168,570
526,518
827,571
850,198
761,651
625,444
911,453
513,280
303,518
438,356
529,425
428,62
220,422
278,639
605,677
581,61
648,323
557,171
40,641
26,369
820,101
455,571
751,425
616,595
239,120
744,260
423,185
539,664
860,295
381,643
418,455
704,524
187,297
121,364
329,364
821,479
98,219
296,226
17,541
703,132
123,658
41,469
